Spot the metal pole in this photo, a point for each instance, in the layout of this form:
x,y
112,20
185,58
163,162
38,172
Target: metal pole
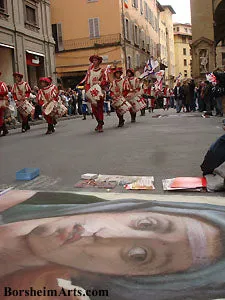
x,y
214,31
124,34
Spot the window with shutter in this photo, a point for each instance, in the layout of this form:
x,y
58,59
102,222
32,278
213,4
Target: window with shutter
x,y
135,34
129,64
94,27
136,3
141,7
131,33
127,29
60,37
57,35
146,11
137,60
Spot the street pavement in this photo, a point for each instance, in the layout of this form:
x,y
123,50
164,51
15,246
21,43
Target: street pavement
x,y
166,147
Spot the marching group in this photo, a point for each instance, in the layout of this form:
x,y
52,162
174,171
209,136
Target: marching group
x,y
102,92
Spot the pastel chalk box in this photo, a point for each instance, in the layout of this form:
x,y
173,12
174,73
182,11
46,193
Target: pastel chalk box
x,y
27,174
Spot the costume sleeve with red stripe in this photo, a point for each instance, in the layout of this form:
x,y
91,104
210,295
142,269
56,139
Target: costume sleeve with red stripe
x,y
27,90
14,92
3,89
40,98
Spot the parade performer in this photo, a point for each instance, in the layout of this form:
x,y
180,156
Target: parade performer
x,y
3,106
95,82
48,97
119,103
152,98
166,98
21,93
132,93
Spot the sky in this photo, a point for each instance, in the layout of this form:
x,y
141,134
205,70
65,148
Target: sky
x,y
182,9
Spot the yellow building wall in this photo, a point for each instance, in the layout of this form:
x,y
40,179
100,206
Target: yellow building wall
x,y
76,61
74,15
185,30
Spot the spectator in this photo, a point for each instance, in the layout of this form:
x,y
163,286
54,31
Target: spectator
x,y
207,97
192,95
79,101
179,96
217,93
215,155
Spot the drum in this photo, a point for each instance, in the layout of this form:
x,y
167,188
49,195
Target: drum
x,y
94,94
26,109
61,110
50,108
117,102
137,103
126,106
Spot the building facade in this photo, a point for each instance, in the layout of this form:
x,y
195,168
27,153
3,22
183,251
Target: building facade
x,y
124,32
208,34
26,42
166,37
182,45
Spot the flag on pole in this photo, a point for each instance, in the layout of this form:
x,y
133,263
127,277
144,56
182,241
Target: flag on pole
x,y
211,78
150,66
159,80
126,3
179,77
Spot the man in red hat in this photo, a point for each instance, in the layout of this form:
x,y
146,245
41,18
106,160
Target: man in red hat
x,y
117,89
96,75
132,89
21,91
48,93
3,105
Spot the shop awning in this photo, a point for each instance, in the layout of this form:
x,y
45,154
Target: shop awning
x,y
6,46
35,53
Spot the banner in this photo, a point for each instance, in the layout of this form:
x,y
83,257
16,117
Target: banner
x,y
211,78
150,67
159,80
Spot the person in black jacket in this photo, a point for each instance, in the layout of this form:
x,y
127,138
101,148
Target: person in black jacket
x,y
179,96
215,155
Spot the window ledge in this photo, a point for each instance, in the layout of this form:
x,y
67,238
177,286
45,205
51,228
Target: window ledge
x,y
32,27
4,15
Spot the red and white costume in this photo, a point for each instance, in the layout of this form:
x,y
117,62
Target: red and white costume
x,y
119,102
152,97
96,76
3,103
45,96
166,97
21,92
132,93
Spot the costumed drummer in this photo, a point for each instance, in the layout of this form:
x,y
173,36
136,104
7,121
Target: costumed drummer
x,y
3,106
132,89
21,93
48,93
117,89
95,77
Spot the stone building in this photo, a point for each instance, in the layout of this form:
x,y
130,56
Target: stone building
x,y
208,32
26,42
182,45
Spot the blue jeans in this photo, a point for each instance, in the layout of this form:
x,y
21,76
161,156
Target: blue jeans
x,y
219,105
179,105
